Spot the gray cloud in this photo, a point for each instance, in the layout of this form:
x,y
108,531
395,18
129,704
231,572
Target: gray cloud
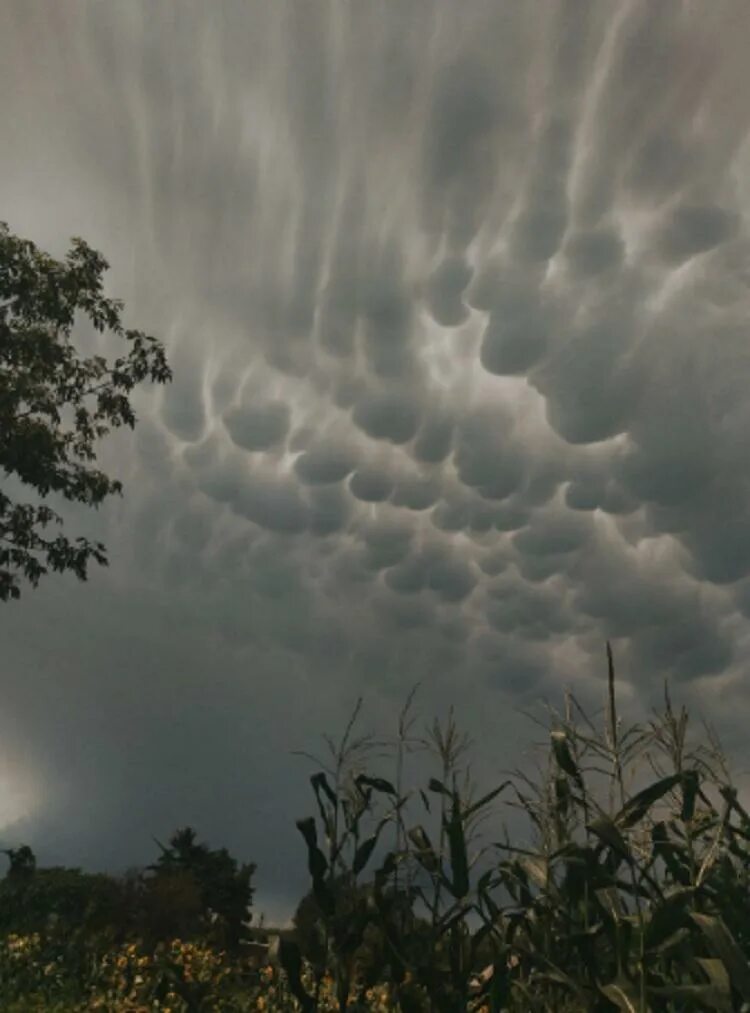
x,y
457,308
371,484
325,463
258,426
387,416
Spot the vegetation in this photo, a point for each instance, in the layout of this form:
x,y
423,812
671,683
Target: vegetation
x,y
625,899
632,893
56,405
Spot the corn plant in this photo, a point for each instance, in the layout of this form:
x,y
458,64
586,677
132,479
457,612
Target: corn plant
x,y
632,895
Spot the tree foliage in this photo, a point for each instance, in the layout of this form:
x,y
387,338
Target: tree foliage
x,y
223,889
55,404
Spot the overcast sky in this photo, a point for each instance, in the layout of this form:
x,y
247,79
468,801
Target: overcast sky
x,y
456,296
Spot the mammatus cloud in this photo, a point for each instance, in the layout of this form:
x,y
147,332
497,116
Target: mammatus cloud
x,y
457,308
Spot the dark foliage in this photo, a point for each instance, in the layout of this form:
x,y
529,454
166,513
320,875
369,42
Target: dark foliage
x,y
56,405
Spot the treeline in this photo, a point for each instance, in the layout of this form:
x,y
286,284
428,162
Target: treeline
x,y
191,891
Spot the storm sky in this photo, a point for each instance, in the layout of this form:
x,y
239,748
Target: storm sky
x,y
456,296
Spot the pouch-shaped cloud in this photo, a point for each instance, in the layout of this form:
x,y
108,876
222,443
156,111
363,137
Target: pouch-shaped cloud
x,y
516,335
435,439
386,543
594,252
588,381
416,492
330,510
528,612
486,456
258,426
452,578
325,463
371,484
389,415
552,532
271,502
693,229
445,289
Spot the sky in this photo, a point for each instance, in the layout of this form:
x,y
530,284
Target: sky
x,y
456,296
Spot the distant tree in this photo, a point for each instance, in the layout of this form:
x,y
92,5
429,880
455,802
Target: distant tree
x,y
22,862
59,899
223,887
55,405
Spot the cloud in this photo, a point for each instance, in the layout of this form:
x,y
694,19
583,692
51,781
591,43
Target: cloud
x,y
371,484
445,288
258,426
325,464
692,229
485,457
457,310
387,415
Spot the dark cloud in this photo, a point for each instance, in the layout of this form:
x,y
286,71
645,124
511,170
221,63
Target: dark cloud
x,y
386,544
258,427
552,534
325,463
183,410
516,335
416,492
692,229
272,503
595,251
371,484
434,442
451,578
330,511
457,309
588,382
445,289
387,416
486,457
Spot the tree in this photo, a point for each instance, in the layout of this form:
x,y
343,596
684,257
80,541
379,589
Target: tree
x,y
22,862
55,405
224,888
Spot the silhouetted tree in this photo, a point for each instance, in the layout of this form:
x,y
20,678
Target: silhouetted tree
x,y
223,887
55,405
22,862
